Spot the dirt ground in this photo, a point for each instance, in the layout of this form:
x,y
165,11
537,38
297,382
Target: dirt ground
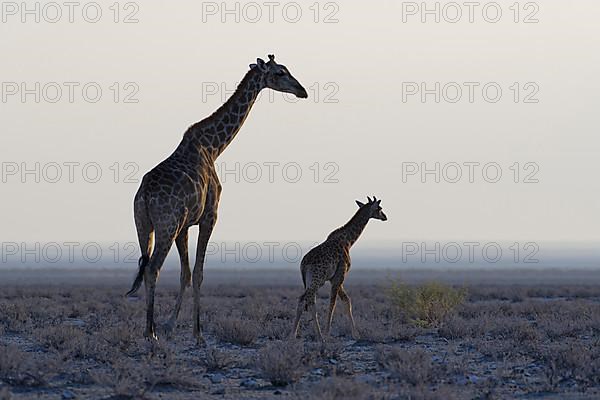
x,y
73,335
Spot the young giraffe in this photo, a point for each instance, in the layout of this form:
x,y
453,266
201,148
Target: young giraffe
x,y
330,261
184,190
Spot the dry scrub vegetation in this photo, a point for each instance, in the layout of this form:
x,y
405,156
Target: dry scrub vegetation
x,y
418,342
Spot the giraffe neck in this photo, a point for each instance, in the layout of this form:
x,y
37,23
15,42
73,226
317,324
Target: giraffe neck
x,y
351,231
214,133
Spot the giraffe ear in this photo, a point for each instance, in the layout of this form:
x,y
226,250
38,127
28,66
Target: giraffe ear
x,y
359,204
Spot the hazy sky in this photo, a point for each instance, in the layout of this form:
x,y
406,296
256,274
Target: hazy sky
x,y
364,124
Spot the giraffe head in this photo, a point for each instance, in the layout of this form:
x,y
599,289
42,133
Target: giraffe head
x,y
279,78
374,208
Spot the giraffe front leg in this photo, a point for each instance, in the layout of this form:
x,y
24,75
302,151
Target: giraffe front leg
x,y
185,278
205,232
346,299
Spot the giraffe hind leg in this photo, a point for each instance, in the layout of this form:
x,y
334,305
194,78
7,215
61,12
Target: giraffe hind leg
x,y
314,282
164,241
332,301
307,301
302,306
336,284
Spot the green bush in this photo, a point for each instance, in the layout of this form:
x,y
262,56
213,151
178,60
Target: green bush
x,y
426,305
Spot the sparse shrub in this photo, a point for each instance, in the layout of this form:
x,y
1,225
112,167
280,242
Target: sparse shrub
x,y
512,328
125,379
170,373
58,337
504,322
15,317
73,342
327,350
335,388
133,379
426,305
523,331
277,329
19,368
404,332
392,331
424,392
281,363
413,366
253,309
572,361
456,327
120,336
375,334
570,319
10,359
235,330
499,350
331,350
217,360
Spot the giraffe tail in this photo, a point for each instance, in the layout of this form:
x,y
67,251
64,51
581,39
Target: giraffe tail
x,y
143,261
303,271
304,280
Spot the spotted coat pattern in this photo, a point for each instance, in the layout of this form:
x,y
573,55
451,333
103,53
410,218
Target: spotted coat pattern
x,y
184,190
330,261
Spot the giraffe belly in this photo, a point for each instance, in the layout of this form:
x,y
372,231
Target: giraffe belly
x,y
323,259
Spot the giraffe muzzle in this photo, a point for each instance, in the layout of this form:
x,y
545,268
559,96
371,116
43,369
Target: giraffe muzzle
x,y
301,93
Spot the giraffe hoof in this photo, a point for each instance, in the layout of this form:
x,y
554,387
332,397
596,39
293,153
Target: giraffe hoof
x,y
151,337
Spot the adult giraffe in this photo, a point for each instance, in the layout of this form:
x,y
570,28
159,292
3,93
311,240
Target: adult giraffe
x,y
184,190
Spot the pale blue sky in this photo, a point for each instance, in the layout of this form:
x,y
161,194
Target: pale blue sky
x,y
362,62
